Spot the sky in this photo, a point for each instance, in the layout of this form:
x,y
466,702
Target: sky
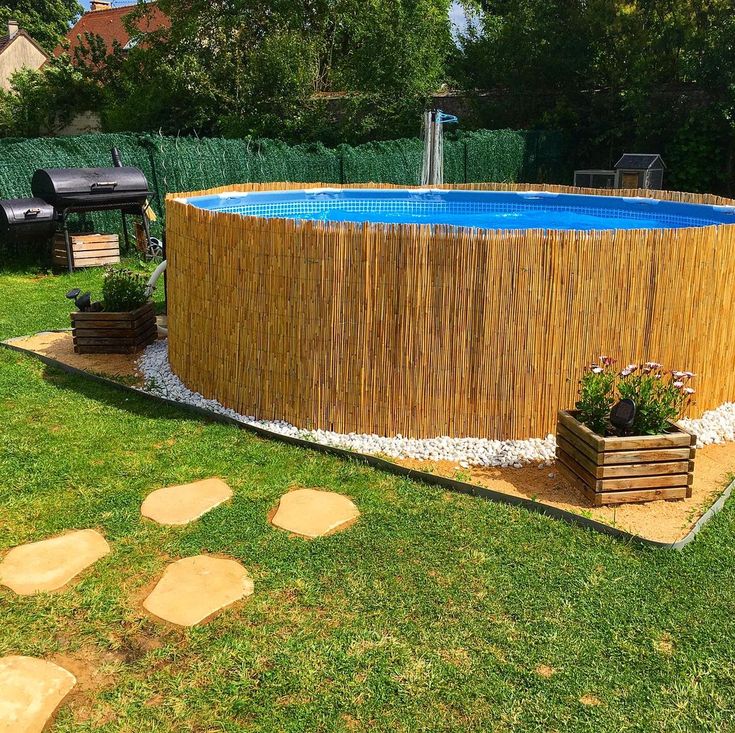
x,y
459,19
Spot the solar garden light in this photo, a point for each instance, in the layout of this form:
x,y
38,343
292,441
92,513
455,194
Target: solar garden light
x,y
83,301
622,416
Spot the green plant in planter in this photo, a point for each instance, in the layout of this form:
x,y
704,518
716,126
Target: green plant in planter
x,y
660,396
123,290
597,395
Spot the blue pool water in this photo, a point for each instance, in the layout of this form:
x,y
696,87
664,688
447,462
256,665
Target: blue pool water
x,y
480,209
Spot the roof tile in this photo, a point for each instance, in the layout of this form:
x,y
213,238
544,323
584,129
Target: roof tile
x,y
109,25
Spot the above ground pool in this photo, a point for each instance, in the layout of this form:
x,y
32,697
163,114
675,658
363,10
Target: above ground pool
x,y
479,209
468,313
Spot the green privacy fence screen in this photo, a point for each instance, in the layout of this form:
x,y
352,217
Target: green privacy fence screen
x,y
190,163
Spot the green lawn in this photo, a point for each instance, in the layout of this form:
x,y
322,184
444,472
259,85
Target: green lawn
x,y
435,612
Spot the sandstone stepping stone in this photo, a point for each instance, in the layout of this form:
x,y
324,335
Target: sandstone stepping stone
x,y
176,505
30,692
192,590
314,513
50,564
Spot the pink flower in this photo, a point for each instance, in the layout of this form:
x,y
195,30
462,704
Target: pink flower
x,y
596,369
678,375
678,383
606,361
689,390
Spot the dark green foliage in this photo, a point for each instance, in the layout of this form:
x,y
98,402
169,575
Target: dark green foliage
x,y
41,102
244,68
392,161
659,397
615,76
502,152
596,398
45,21
123,289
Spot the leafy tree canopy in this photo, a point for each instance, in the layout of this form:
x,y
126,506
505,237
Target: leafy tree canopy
x,y
242,67
45,20
41,102
653,75
645,75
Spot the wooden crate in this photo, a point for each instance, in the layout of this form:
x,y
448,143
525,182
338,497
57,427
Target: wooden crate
x,y
618,470
89,250
114,333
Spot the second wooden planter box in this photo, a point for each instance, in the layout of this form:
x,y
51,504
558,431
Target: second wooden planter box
x,y
87,250
615,470
114,333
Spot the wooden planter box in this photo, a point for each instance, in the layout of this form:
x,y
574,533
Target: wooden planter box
x,y
618,470
88,250
114,333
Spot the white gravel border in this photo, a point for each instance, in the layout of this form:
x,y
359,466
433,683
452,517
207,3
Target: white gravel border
x,y
715,426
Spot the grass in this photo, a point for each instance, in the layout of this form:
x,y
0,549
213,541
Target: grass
x,y
435,612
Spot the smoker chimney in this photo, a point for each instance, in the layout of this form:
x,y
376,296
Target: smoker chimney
x,y
96,5
13,28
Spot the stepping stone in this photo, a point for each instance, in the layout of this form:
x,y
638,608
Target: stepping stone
x,y
313,513
176,505
192,590
50,564
30,692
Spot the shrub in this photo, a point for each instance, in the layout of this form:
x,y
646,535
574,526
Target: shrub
x,y
123,290
659,395
596,395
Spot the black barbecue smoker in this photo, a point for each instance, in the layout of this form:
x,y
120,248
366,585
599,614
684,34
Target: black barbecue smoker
x,y
23,220
58,192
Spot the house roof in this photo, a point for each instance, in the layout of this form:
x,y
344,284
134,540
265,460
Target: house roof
x,y
109,26
5,41
640,161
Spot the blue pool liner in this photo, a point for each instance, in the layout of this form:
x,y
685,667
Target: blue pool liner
x,y
461,208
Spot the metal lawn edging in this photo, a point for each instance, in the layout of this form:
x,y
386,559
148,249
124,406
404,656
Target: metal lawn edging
x,y
462,487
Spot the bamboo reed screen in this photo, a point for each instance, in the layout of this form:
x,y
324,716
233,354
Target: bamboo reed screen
x,y
425,331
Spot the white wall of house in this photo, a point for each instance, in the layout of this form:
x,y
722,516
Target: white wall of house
x,y
20,53
81,124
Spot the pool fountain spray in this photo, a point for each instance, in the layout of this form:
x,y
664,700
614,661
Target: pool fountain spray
x,y
432,170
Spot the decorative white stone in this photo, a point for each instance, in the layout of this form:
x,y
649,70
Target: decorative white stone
x,y
177,505
313,513
30,692
192,590
50,564
715,426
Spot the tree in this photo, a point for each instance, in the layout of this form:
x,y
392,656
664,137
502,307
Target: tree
x,y
42,101
244,67
46,21
649,75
